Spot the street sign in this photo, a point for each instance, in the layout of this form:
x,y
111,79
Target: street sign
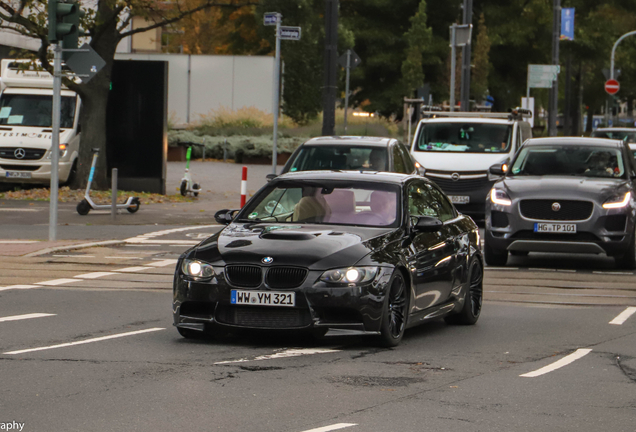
x,y
567,24
289,33
463,34
542,76
606,73
354,61
612,86
270,18
85,63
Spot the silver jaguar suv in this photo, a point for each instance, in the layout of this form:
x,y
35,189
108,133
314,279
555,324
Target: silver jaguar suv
x,y
564,195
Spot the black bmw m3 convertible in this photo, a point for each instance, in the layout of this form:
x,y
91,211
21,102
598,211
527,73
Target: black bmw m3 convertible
x,y
367,251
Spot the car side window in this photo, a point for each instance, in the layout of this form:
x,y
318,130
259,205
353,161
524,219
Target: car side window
x,y
446,211
408,162
398,162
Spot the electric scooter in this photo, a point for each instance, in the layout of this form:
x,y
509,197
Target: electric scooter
x,y
187,186
132,203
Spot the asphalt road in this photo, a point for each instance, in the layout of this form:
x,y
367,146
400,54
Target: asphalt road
x,y
106,356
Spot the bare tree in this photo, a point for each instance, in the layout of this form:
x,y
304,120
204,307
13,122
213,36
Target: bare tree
x,y
106,23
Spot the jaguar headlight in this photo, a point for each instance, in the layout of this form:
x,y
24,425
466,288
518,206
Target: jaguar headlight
x,y
197,269
618,201
350,275
497,196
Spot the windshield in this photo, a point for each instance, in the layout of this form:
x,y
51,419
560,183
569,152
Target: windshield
x,y
464,137
34,110
330,203
340,158
627,136
570,160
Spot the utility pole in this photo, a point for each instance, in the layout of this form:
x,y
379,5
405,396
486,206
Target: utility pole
x,y
276,106
554,91
466,54
331,64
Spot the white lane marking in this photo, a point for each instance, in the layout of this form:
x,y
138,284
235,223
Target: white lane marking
x,y
613,273
94,275
115,336
332,427
163,263
132,269
124,257
75,256
10,287
25,316
581,352
143,245
56,282
502,268
19,241
20,210
283,354
623,316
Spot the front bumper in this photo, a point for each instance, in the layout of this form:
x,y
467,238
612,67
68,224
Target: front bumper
x,y
199,304
607,231
40,170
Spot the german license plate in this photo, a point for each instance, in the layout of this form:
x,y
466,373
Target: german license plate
x,y
16,174
459,199
555,228
263,298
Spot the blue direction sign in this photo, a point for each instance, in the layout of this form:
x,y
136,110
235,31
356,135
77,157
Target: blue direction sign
x,y
567,24
289,33
270,18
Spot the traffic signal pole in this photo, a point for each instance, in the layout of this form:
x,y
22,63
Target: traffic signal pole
x,y
55,141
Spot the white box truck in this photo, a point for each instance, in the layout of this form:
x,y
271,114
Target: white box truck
x,y
25,126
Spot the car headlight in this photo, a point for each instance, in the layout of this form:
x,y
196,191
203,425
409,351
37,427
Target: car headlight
x,y
63,151
197,269
350,275
618,201
500,197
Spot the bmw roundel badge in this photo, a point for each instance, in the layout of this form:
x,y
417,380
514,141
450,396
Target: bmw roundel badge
x,y
267,260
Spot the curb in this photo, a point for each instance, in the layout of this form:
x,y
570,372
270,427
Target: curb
x,y
75,246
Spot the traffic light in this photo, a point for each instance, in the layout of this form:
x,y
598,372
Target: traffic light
x,y
64,21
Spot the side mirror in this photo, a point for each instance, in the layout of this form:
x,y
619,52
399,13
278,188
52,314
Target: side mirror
x,y
271,177
498,169
225,216
427,224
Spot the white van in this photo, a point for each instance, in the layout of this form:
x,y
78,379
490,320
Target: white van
x,y
25,126
455,150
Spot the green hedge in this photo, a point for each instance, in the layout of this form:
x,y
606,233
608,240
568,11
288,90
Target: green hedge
x,y
237,146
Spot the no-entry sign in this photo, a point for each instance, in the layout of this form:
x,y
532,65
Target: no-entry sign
x,y
612,86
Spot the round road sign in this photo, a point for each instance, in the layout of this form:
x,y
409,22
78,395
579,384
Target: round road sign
x,y
612,86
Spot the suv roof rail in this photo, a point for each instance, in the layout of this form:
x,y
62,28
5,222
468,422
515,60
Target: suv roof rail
x,y
516,114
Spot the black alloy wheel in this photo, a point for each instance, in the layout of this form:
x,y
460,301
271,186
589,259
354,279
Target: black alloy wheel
x,y
469,314
395,312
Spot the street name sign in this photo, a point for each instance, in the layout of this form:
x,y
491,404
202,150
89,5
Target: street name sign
x,y
270,18
612,86
289,33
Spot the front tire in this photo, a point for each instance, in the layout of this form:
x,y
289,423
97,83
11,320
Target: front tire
x,y
395,312
469,314
83,207
494,257
135,203
184,188
627,261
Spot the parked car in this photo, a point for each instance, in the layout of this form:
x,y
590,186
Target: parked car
x,y
374,252
571,195
351,153
456,149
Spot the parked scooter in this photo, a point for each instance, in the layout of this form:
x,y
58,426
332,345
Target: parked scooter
x,y
86,205
187,185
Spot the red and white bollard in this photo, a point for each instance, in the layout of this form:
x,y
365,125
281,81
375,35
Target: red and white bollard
x,y
244,187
